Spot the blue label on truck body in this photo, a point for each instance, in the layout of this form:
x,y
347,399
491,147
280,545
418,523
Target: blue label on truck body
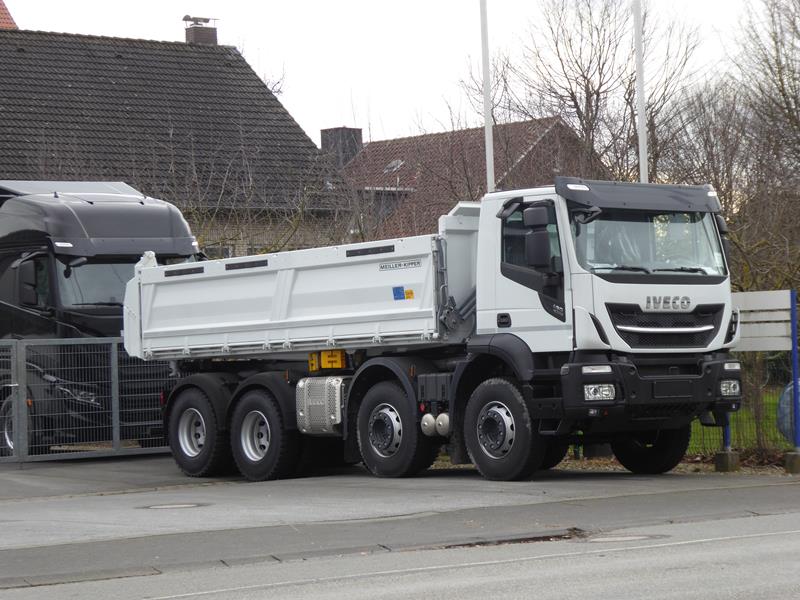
x,y
399,293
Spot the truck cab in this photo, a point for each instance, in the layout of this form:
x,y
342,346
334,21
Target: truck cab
x,y
68,248
617,295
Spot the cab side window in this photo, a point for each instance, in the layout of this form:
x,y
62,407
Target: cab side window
x,y
513,263
42,283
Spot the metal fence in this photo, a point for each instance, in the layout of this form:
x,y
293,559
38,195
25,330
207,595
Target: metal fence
x,y
78,398
755,427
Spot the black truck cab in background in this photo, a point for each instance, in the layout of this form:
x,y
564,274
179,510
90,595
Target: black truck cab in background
x,y
68,248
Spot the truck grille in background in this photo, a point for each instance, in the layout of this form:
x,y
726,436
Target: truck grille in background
x,y
705,316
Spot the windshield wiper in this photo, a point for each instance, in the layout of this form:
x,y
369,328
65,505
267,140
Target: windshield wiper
x,y
623,268
97,304
685,270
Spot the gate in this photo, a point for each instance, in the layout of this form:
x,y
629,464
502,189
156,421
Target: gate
x,y
78,398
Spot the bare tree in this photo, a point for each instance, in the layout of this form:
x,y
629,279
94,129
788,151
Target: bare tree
x,y
771,63
578,64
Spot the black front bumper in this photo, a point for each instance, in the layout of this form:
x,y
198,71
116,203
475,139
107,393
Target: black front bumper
x,y
652,389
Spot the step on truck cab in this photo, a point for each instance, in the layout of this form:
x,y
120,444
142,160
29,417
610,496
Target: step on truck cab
x,y
67,249
588,311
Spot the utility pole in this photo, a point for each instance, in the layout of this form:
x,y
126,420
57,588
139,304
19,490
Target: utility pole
x,y
487,100
641,125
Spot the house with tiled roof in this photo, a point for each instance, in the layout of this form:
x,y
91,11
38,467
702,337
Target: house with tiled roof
x,y
6,20
190,122
405,184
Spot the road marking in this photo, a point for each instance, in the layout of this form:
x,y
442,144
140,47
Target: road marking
x,y
487,563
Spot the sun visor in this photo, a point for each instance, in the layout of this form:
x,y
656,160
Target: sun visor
x,y
638,196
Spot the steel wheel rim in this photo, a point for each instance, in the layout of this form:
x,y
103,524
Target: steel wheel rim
x,y
385,430
255,436
496,430
191,432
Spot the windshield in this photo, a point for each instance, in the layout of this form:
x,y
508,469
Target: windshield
x,y
93,283
648,242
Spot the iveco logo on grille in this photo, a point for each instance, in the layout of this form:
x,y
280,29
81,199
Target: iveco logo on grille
x,y
668,303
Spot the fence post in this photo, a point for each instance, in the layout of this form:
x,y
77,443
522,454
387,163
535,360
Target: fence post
x,y
21,405
792,459
115,416
726,436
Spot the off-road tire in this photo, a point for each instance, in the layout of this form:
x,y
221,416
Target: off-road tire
x,y
406,454
652,452
263,446
213,457
524,454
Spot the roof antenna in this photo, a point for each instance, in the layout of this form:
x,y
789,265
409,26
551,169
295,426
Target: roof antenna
x,y
55,194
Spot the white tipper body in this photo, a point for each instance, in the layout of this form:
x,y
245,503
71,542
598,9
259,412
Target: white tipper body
x,y
388,294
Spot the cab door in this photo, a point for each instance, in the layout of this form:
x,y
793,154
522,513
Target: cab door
x,y
532,300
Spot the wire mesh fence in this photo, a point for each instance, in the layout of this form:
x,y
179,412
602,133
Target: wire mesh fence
x,y
76,398
755,428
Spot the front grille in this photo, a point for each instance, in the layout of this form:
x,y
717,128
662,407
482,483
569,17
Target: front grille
x,y
663,411
633,316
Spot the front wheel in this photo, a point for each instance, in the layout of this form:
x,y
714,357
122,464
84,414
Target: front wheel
x,y
652,452
199,447
389,437
502,439
262,444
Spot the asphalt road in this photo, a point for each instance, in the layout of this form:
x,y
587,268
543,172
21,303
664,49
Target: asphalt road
x,y
138,529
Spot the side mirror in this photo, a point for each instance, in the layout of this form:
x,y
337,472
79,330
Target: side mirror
x,y
535,216
27,273
721,225
28,296
537,249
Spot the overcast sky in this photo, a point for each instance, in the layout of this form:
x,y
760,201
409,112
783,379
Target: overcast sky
x,y
388,66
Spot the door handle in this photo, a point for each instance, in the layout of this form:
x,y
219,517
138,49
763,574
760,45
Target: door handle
x,y
503,320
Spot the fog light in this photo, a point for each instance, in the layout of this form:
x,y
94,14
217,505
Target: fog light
x,y
599,391
730,387
593,369
732,366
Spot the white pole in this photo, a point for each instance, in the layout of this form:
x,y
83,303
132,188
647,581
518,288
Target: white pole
x,y
641,126
487,100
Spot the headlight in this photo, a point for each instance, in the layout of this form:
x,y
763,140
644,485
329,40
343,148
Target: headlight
x,y
594,369
593,392
730,387
79,395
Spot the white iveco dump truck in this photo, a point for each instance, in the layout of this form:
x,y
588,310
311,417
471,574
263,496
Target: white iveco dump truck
x,y
585,312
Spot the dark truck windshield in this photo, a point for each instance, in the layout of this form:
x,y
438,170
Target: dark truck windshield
x,y
639,241
93,283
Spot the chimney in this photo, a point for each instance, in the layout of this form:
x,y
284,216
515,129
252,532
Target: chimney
x,y
199,32
343,143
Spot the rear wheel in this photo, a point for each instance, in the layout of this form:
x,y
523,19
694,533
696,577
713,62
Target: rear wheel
x,y
199,447
502,439
653,452
389,438
263,447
